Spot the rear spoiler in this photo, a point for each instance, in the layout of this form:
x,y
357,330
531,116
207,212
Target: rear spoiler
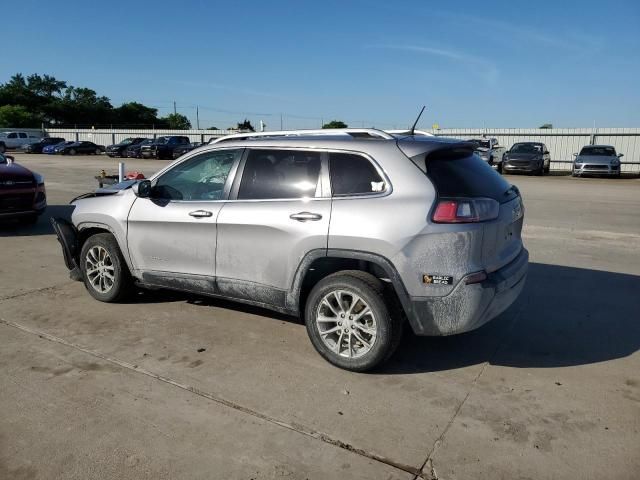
x,y
419,149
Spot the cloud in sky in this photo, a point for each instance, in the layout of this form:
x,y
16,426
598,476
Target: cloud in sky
x,y
486,68
523,33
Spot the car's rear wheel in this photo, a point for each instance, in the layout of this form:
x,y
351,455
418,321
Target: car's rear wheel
x,y
349,321
72,151
104,270
98,151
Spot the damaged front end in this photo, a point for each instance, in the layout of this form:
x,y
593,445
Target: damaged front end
x,y
68,238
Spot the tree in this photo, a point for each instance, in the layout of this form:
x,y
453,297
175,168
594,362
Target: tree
x,y
335,124
135,114
176,121
17,116
546,126
246,125
213,128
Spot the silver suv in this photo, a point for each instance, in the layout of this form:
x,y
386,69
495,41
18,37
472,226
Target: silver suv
x,y
358,231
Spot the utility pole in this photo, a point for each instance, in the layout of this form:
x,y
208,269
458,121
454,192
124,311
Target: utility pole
x,y
197,118
174,107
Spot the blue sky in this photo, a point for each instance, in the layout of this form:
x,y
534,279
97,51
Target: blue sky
x,y
474,64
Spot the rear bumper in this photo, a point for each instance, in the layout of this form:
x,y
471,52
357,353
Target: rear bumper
x,y
468,307
68,238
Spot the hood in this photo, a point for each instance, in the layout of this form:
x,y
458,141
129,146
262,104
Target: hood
x,y
595,159
15,173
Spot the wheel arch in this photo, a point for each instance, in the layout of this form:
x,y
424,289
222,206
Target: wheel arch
x,y
319,263
88,229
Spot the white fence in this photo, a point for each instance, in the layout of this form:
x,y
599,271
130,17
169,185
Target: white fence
x,y
562,142
111,136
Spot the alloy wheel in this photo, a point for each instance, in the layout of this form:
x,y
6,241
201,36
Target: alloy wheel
x,y
100,269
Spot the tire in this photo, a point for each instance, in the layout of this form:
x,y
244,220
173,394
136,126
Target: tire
x,y
382,327
98,151
499,168
72,151
540,171
2,148
112,263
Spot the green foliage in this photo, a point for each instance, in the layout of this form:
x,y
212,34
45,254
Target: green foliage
x,y
176,121
38,99
546,125
335,124
16,116
246,125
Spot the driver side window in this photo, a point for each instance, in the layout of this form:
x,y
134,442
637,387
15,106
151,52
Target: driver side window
x,y
200,178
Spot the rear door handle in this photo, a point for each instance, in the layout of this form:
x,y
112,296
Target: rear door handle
x,y
305,216
201,213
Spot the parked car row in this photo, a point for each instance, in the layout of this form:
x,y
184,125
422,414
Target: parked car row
x,y
15,140
168,147
534,158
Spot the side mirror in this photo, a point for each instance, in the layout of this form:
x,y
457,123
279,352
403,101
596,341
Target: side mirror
x,y
142,189
621,155
575,154
546,152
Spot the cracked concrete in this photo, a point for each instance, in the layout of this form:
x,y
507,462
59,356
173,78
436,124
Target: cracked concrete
x,y
175,386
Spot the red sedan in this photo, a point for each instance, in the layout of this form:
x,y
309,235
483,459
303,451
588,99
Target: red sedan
x,y
22,192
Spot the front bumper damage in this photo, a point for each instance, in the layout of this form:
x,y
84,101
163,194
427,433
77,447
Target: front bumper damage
x,y
468,307
68,238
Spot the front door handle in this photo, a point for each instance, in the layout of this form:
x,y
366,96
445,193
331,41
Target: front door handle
x,y
201,213
305,216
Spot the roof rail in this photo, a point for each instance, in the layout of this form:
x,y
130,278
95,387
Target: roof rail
x,y
353,132
408,132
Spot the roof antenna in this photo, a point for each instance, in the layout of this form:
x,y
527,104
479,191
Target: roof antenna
x,y
413,128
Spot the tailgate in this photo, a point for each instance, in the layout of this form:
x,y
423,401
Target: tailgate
x,y
502,240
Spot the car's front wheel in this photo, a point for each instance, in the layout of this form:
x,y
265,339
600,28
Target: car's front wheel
x,y
104,270
72,151
349,321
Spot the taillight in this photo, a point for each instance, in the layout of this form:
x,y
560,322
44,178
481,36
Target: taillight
x,y
465,210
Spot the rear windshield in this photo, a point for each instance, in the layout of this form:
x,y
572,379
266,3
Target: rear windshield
x,y
466,176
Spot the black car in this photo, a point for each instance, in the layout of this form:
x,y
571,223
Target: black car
x,y
45,142
133,151
22,192
163,147
81,147
118,150
182,149
530,157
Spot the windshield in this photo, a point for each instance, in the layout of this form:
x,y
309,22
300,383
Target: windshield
x,y
161,140
526,148
599,151
148,141
127,141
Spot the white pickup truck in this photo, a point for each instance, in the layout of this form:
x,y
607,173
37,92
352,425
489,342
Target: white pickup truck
x,y
490,151
14,140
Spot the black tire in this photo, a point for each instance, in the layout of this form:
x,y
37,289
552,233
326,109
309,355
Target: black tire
x,y
98,151
499,168
2,148
72,151
388,319
122,284
540,171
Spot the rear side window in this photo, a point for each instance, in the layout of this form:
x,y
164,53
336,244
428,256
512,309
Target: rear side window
x,y
282,174
353,174
466,176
